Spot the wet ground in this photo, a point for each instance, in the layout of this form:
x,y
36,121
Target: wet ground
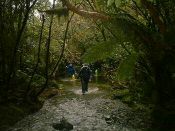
x,y
94,111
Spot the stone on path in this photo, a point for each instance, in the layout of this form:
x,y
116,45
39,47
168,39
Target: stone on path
x,y
63,125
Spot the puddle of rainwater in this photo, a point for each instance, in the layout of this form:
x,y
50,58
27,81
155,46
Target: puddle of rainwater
x,y
79,91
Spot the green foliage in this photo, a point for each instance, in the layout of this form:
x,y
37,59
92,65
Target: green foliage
x,y
117,3
137,1
100,51
110,2
152,0
38,80
127,99
53,84
120,93
22,76
124,95
106,49
101,4
126,67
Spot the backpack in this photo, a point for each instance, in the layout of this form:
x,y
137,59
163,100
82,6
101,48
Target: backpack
x,y
85,72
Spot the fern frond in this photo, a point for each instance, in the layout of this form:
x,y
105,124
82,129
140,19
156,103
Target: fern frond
x,y
127,28
126,67
103,50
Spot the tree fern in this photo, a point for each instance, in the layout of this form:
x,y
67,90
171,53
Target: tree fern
x,y
126,67
104,50
99,51
127,28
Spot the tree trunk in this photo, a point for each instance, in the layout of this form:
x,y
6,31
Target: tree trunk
x,y
38,56
17,42
62,52
47,56
164,114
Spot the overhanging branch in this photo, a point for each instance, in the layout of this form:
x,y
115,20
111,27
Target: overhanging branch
x,y
84,13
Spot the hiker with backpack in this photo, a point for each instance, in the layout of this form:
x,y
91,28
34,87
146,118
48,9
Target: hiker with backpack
x,y
84,75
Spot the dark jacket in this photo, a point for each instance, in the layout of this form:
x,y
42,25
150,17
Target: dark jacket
x,y
85,73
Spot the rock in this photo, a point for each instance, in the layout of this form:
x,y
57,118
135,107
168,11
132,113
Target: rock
x,y
108,119
63,125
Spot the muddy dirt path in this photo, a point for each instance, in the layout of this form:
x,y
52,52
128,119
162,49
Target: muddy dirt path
x,y
94,111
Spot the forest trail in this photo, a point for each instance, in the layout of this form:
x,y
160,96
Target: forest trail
x,y
92,111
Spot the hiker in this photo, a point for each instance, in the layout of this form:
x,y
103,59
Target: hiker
x,y
84,75
70,70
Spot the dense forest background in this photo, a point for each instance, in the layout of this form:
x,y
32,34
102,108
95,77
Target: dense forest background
x,y
130,42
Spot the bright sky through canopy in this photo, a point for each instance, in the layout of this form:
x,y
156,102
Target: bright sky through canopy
x,y
51,1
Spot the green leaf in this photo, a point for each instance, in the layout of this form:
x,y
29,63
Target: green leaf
x,y
137,1
110,2
118,3
151,0
126,67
